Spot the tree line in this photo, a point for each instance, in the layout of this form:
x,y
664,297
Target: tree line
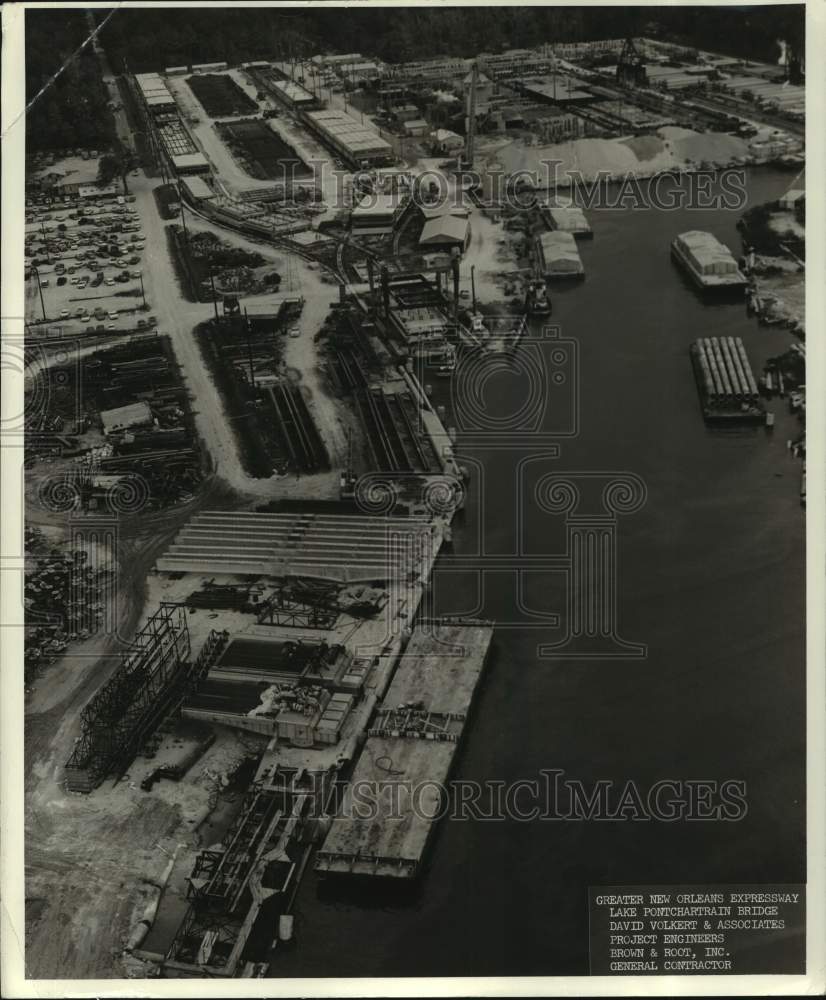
x,y
73,109
152,38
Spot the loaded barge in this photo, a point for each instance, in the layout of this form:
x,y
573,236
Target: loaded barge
x,y
728,391
393,802
708,262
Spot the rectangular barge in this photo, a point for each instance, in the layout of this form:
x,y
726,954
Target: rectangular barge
x,y
411,746
728,391
707,261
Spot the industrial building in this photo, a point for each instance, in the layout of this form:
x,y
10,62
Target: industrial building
x,y
445,141
181,150
376,215
357,143
445,232
416,127
155,95
121,418
292,94
557,89
198,189
515,61
447,68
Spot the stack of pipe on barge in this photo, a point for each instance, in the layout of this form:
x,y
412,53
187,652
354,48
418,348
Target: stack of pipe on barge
x,y
409,751
708,262
728,390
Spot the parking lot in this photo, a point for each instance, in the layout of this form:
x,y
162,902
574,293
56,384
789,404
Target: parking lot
x,y
86,255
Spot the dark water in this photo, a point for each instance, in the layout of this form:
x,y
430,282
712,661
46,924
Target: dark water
x,y
710,578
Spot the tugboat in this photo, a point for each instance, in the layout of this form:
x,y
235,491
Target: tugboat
x,y
537,302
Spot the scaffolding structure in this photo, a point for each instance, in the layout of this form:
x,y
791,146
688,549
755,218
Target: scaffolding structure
x,y
256,864
290,608
133,701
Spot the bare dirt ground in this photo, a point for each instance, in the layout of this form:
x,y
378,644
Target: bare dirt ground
x,y
179,317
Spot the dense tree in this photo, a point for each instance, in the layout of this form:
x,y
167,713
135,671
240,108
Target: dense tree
x,y
73,108
116,164
153,38
63,80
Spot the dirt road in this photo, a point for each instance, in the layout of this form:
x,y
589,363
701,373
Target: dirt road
x,y
178,317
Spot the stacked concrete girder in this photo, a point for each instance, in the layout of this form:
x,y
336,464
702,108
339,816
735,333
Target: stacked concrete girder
x,y
341,547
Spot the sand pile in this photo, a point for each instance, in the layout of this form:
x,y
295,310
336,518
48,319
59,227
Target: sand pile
x,y
641,156
713,147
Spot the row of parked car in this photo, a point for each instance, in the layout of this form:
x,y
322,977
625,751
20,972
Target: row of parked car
x,y
96,244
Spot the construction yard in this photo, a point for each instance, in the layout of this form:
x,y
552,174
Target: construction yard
x,y
116,433
220,95
261,152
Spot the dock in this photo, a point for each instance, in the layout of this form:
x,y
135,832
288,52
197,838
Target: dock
x,y
410,748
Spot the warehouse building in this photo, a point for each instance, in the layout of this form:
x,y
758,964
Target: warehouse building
x,y
121,418
445,232
292,94
377,214
155,95
356,143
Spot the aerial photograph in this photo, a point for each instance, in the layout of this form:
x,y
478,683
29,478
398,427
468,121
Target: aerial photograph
x,y
415,492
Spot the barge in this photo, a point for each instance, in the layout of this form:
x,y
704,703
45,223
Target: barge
x,y
707,262
557,257
402,773
728,391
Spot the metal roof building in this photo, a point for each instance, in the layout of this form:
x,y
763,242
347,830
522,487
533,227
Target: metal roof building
x,y
446,230
352,140
123,417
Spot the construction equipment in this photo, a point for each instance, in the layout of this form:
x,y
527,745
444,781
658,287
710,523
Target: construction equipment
x,y
631,66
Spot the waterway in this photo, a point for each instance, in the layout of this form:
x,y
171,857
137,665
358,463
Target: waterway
x,y
709,579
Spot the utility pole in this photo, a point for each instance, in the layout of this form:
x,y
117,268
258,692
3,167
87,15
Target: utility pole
x,y
249,347
40,289
473,284
470,128
183,219
214,299
143,296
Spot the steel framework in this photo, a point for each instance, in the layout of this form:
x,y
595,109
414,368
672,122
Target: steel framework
x,y
229,886
134,699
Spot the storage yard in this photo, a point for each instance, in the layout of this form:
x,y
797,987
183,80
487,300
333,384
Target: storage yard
x,y
262,153
245,366
220,95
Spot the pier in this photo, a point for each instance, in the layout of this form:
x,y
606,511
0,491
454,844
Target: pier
x,y
410,749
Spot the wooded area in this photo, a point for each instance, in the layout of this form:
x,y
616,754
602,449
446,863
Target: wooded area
x,y
152,39
72,111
